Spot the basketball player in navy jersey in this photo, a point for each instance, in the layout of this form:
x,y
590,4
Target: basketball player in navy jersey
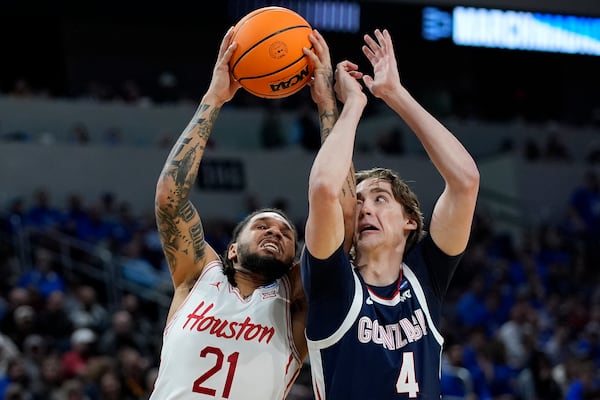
x,y
373,324
235,328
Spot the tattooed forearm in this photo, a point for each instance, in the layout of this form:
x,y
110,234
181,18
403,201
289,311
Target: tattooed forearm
x,y
169,233
328,119
197,235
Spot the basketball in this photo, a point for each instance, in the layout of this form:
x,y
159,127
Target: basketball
x,y
268,61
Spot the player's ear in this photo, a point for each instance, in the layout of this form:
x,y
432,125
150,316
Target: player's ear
x,y
232,252
411,224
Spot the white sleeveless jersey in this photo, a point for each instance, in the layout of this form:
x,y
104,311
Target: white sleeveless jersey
x,y
221,346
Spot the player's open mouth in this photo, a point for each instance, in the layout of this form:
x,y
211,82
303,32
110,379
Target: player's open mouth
x,y
271,246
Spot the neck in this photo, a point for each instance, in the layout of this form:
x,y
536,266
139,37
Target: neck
x,y
378,268
247,282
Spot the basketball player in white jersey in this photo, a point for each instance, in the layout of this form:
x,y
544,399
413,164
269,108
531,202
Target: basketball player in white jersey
x,y
235,328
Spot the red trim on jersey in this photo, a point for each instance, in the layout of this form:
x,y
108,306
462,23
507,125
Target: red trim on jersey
x,y
396,292
291,382
318,393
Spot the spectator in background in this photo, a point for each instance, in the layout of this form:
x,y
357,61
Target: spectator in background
x,y
471,307
16,216
87,311
80,134
72,389
75,360
49,384
586,382
8,351
43,214
142,321
42,278
137,269
111,387
17,297
457,381
15,378
54,321
535,381
499,375
76,216
516,334
474,358
95,228
26,323
123,334
132,367
555,149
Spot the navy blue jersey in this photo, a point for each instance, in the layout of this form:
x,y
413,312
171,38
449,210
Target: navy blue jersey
x,y
380,343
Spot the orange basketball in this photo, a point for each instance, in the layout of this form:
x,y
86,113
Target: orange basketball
x,y
268,61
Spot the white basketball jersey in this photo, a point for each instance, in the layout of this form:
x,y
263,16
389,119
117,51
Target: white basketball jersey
x,y
221,346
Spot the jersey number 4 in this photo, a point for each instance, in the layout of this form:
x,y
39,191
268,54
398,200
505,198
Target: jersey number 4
x,y
407,379
231,360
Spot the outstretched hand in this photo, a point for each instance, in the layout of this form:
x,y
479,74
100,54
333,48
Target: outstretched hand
x,y
321,84
222,85
386,78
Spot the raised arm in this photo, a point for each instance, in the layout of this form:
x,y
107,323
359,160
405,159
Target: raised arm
x,y
325,228
178,222
452,217
322,93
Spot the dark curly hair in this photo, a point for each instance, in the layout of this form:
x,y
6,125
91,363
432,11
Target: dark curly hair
x,y
228,268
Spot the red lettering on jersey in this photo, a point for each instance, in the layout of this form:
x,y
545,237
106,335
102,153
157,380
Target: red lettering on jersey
x,y
246,330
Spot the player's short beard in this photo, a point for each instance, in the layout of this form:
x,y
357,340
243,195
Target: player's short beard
x,y
269,267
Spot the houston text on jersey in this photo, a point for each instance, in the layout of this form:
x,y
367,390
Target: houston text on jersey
x,y
222,328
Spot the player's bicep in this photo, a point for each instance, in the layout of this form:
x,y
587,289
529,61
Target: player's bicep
x,y
451,221
184,245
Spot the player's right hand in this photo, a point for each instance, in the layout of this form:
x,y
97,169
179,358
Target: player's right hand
x,y
222,85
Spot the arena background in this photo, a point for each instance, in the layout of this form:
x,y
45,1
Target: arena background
x,y
92,95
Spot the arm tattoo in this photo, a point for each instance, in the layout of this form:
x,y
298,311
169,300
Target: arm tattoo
x,y
180,172
351,184
328,119
198,243
169,232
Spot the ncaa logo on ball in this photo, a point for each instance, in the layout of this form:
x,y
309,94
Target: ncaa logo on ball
x,y
278,50
296,78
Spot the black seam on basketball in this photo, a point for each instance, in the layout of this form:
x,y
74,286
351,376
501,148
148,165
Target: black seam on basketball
x,y
262,40
274,96
273,72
